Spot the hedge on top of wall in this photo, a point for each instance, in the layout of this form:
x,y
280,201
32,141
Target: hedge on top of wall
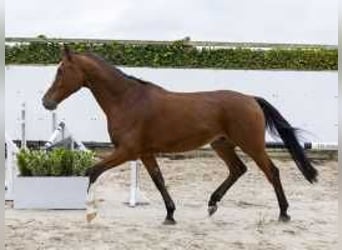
x,y
179,54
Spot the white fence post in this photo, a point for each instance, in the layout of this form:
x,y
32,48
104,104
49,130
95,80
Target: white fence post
x,y
10,166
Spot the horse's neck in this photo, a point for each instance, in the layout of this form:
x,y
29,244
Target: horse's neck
x,y
109,87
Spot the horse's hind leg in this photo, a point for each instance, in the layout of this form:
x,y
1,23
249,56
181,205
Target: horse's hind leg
x,y
236,168
272,174
152,167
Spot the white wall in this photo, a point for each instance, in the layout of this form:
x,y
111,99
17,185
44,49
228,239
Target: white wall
x,y
307,99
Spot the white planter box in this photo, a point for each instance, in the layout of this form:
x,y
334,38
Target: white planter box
x,y
50,192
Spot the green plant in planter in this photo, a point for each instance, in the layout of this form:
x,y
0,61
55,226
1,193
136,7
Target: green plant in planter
x,y
82,159
58,162
23,159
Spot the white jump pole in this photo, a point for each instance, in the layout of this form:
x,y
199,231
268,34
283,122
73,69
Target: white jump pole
x,y
23,125
135,196
59,130
54,121
307,145
79,144
134,184
322,146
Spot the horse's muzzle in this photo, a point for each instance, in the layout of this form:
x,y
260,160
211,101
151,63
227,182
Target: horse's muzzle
x,y
49,104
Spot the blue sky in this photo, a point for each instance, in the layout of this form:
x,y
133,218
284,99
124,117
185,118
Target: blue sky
x,y
293,21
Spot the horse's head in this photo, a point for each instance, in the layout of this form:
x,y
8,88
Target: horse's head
x,y
69,78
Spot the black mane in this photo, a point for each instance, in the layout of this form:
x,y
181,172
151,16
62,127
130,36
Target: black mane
x,y
135,78
105,64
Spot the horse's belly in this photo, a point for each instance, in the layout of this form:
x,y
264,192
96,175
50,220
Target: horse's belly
x,y
184,143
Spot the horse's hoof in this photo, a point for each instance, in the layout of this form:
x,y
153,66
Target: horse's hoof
x,y
91,216
284,218
212,209
169,222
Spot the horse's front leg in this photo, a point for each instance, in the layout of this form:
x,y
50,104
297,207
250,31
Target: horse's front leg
x,y
119,156
153,169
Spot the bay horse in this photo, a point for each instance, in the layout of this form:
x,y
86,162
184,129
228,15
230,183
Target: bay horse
x,y
145,119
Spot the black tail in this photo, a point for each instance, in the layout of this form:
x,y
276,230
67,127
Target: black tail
x,y
278,126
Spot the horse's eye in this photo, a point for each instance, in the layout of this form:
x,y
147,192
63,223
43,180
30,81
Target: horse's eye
x,y
59,71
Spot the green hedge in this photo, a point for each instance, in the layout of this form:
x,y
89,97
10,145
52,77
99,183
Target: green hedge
x,y
180,54
58,162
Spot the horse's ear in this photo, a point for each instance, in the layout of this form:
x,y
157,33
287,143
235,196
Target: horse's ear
x,y
67,52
